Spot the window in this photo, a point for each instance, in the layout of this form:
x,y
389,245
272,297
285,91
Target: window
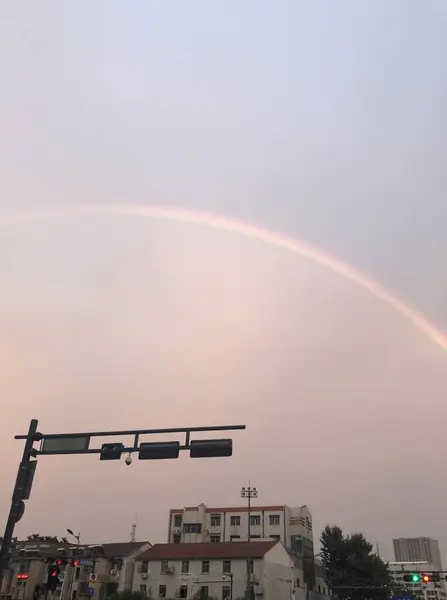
x,y
177,520
144,566
164,566
274,519
205,566
226,566
177,539
143,589
319,589
204,591
255,537
162,591
298,582
185,566
215,520
324,590
192,528
235,521
255,520
234,538
183,592
251,566
215,539
226,592
275,537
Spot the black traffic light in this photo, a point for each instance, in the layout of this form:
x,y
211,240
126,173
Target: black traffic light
x,y
111,451
211,448
53,580
435,577
412,577
159,450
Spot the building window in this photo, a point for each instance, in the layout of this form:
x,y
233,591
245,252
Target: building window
x,y
215,520
164,566
177,520
235,521
275,537
251,566
162,591
226,566
185,566
205,566
255,537
192,528
215,539
319,589
204,591
298,582
144,566
226,592
274,519
234,538
177,539
255,520
143,589
183,591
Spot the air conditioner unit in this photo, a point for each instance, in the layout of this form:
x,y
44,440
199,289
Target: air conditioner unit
x,y
143,575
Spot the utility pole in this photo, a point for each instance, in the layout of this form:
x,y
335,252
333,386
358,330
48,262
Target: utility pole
x,y
249,493
21,492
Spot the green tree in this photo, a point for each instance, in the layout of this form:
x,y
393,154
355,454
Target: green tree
x,y
352,569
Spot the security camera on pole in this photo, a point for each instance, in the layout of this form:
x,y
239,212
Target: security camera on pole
x,y
249,493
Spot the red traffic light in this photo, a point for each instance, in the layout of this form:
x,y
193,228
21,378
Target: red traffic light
x,y
22,576
426,578
76,563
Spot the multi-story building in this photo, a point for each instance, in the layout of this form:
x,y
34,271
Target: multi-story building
x,y
417,549
219,570
95,570
430,591
289,525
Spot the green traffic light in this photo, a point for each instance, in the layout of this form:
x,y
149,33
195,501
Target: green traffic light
x,y
415,578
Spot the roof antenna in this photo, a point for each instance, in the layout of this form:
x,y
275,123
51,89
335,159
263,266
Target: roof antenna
x,y
133,531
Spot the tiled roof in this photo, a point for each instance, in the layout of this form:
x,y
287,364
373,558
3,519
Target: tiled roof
x,y
122,548
231,509
207,550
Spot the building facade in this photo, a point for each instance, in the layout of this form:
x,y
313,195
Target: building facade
x,y
289,525
219,570
417,549
430,591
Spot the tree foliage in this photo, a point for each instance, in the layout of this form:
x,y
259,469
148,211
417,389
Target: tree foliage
x,y
352,569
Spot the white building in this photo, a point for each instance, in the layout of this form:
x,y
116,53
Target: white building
x,y
418,549
219,570
429,591
291,526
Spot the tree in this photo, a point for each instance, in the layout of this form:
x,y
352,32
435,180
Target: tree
x,y
352,569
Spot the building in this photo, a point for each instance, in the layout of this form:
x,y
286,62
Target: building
x,y
418,549
219,570
100,568
291,526
430,591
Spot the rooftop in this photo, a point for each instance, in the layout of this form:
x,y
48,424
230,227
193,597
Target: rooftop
x,y
207,550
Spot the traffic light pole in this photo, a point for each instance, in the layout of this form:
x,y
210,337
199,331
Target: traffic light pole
x,y
21,491
79,443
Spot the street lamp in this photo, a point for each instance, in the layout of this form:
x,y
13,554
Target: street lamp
x,y
79,443
249,493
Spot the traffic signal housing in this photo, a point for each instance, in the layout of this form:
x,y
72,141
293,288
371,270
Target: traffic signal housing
x,y
412,577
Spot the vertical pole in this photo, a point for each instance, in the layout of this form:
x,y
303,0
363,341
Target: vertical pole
x,y
231,586
249,539
17,498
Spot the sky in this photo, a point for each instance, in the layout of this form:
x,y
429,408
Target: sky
x,y
321,120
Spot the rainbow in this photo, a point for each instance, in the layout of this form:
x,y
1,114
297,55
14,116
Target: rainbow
x,y
252,231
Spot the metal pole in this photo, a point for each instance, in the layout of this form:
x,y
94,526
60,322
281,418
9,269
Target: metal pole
x,y
249,493
231,586
17,498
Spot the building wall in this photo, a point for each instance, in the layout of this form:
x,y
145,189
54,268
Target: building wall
x,y
279,576
417,549
290,525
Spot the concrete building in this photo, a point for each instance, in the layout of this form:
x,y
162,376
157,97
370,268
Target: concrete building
x,y
417,549
291,526
104,568
220,570
430,591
